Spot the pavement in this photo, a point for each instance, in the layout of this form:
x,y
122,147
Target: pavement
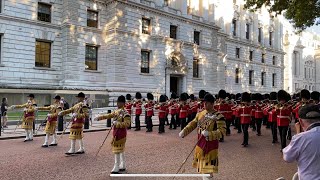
x,y
145,153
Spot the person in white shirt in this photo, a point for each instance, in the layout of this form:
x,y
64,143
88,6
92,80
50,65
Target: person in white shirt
x,y
305,146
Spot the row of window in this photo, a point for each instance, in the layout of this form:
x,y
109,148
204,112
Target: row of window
x,y
251,77
263,56
306,70
247,30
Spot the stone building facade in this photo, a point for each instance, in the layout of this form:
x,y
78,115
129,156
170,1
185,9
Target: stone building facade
x,y
111,47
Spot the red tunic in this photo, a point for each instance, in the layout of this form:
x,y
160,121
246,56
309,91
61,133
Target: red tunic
x,y
183,111
162,111
172,108
128,107
194,106
296,110
200,106
149,108
137,105
225,110
259,112
283,118
245,114
272,115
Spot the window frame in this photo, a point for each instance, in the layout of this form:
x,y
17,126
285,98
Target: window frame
x,y
237,53
263,76
176,32
274,60
50,55
260,35
96,59
195,71
144,19
237,75
251,55
247,31
270,38
274,79
234,27
251,78
263,58
97,21
50,15
141,61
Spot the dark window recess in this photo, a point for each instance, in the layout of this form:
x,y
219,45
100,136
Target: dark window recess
x,y
195,67
44,12
234,27
92,18
251,77
43,54
237,52
259,35
196,37
173,31
146,26
274,60
263,74
166,2
270,38
273,80
263,58
247,31
251,56
145,61
237,75
91,57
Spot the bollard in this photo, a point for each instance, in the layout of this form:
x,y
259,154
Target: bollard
x,y
60,123
86,123
109,120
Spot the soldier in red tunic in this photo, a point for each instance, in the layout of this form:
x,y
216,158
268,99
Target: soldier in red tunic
x,y
183,110
128,106
272,118
173,106
283,117
138,110
253,105
224,108
245,117
149,110
305,99
258,115
162,110
236,113
193,104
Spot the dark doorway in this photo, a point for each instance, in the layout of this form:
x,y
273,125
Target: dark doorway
x,y
174,85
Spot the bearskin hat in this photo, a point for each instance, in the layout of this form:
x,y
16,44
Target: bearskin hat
x,y
121,99
253,96
128,97
228,95
266,96
288,97
149,96
259,97
273,96
282,95
245,97
202,93
183,97
192,97
232,96
173,95
209,98
238,96
305,94
162,98
315,95
138,95
222,94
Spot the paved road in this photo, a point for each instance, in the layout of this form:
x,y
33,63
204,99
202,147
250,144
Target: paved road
x,y
146,153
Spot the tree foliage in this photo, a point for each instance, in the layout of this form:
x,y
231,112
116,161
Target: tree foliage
x,y
301,13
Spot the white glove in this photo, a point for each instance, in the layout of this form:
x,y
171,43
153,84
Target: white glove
x,y
115,123
74,115
59,114
205,133
181,134
96,118
25,109
11,107
49,115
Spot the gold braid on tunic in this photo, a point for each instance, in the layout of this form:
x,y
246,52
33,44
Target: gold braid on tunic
x,y
54,110
214,123
29,114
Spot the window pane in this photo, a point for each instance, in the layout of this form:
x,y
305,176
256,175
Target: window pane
x,y
145,26
251,56
173,32
247,31
44,12
145,55
43,52
263,58
91,58
195,67
234,27
197,37
237,76
92,18
259,35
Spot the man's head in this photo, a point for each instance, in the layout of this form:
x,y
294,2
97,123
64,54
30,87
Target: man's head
x,y
305,95
81,96
209,101
222,94
57,99
31,96
202,93
121,101
282,96
246,97
315,95
309,114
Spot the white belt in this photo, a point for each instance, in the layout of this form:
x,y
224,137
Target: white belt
x,y
245,115
183,111
283,117
224,111
161,111
258,111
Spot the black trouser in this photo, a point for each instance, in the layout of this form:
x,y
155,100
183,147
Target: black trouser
x,y
173,123
137,121
283,135
238,125
228,124
259,122
274,131
161,124
233,121
183,123
149,123
245,128
193,116
189,118
265,120
178,121
167,119
253,123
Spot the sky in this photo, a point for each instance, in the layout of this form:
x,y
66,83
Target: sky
x,y
316,29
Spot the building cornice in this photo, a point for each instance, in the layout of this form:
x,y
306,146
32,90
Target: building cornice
x,y
164,13
33,22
